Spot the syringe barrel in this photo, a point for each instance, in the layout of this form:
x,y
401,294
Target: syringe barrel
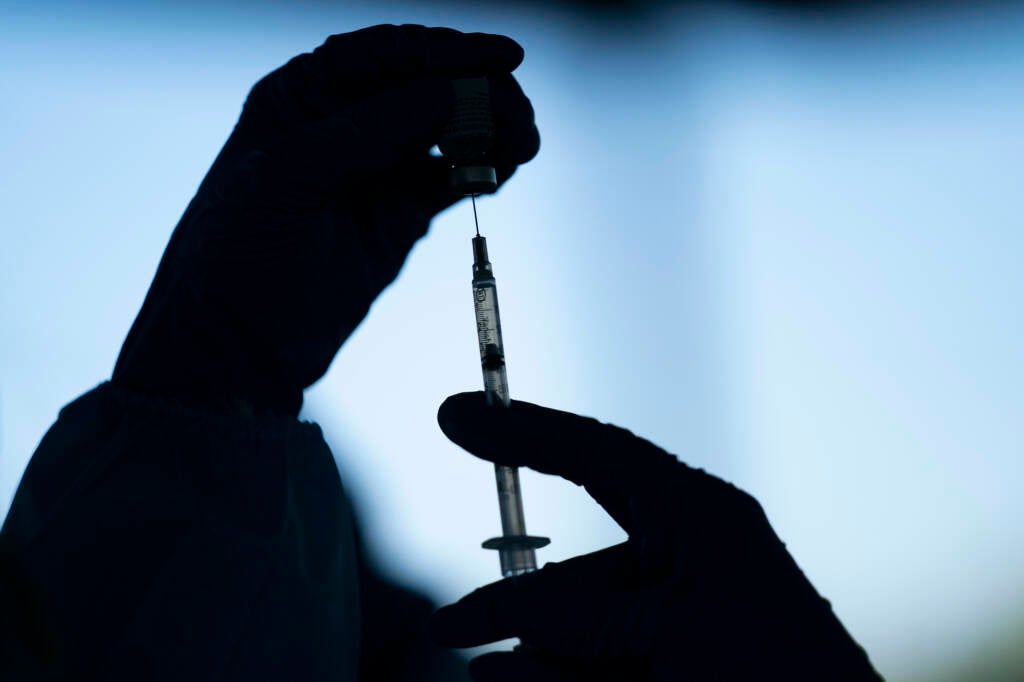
x,y
492,350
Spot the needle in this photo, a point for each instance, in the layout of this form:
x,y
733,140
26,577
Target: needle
x,y
475,221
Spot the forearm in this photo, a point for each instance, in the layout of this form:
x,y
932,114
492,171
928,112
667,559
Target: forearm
x,y
187,346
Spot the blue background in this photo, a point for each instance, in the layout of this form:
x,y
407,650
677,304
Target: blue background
x,y
783,247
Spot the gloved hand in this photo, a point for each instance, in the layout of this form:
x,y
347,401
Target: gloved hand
x,y
309,212
702,589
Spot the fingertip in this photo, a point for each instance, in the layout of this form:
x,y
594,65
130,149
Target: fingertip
x,y
457,411
501,51
456,406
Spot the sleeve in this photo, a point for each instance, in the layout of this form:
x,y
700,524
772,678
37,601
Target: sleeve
x,y
170,543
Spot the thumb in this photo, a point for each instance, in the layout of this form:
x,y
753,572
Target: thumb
x,y
375,137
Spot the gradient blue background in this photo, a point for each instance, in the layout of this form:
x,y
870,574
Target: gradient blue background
x,y
786,249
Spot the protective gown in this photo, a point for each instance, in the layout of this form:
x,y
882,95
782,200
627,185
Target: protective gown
x,y
162,542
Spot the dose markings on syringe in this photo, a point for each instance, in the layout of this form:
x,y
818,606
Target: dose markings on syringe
x,y
488,333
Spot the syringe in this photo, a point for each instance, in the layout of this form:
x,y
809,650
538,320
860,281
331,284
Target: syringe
x,y
467,142
515,547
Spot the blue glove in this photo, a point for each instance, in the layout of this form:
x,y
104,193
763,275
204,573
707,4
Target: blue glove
x,y
703,588
309,212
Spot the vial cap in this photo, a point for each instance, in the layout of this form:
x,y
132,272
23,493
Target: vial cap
x,y
469,180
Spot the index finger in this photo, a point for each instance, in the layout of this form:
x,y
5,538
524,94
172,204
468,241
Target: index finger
x,y
389,53
615,466
348,66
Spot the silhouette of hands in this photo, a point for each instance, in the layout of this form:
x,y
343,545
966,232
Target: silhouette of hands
x,y
309,212
702,589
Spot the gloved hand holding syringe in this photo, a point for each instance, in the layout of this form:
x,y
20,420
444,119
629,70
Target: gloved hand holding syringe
x,y
702,589
466,143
